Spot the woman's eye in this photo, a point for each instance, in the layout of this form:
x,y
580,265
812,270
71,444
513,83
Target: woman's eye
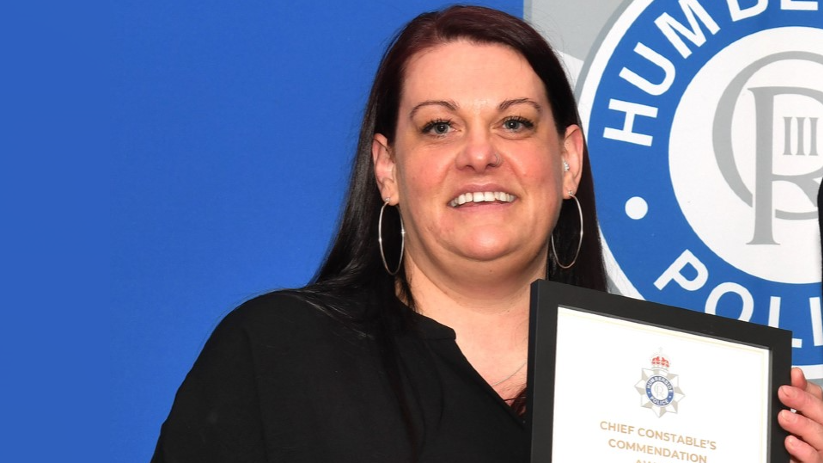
x,y
517,124
437,127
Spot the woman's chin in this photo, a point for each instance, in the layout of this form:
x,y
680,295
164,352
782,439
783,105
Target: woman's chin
x,y
489,249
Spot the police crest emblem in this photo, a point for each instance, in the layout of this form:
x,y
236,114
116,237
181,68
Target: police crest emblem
x,y
658,387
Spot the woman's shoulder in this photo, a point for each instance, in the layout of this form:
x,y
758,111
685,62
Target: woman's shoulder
x,y
256,364
274,330
280,307
283,316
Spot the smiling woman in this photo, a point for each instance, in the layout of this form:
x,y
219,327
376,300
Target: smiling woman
x,y
411,342
485,132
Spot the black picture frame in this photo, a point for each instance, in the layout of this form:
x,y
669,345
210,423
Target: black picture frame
x,y
548,297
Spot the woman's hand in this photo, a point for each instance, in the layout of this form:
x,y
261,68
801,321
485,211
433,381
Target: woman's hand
x,y
805,443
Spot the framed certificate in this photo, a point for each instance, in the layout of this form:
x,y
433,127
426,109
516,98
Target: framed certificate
x,y
614,379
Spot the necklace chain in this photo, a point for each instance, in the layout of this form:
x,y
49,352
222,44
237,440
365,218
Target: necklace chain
x,y
511,375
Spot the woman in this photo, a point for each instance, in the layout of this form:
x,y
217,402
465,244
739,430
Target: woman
x,y
470,182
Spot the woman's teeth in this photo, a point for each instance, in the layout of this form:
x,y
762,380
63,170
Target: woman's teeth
x,y
481,197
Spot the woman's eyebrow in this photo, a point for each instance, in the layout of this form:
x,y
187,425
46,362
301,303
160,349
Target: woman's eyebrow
x,y
509,103
450,105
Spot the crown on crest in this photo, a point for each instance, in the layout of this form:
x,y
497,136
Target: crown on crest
x,y
660,361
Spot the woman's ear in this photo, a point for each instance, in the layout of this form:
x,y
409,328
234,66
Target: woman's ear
x,y
573,157
384,168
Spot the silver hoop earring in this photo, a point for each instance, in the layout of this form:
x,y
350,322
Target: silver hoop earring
x,y
579,243
380,240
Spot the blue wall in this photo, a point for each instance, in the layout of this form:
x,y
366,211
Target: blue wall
x,y
234,126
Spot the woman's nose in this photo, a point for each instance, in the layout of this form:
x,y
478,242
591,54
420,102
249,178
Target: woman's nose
x,y
479,154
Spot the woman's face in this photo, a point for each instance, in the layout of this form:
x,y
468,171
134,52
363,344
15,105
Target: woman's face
x,y
477,164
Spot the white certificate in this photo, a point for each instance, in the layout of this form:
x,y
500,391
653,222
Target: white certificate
x,y
614,379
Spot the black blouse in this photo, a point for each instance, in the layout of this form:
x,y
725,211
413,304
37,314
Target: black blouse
x,y
280,381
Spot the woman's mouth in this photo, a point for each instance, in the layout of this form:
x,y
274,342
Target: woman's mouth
x,y
481,197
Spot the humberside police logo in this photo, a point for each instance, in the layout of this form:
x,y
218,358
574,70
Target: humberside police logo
x,y
705,128
659,389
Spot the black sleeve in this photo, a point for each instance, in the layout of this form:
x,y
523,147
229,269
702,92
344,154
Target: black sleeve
x,y
216,414
820,211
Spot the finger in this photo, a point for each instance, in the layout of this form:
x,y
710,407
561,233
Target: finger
x,y
799,380
807,439
804,402
801,452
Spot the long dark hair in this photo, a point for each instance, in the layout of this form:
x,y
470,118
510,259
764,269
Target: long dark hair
x,y
353,268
